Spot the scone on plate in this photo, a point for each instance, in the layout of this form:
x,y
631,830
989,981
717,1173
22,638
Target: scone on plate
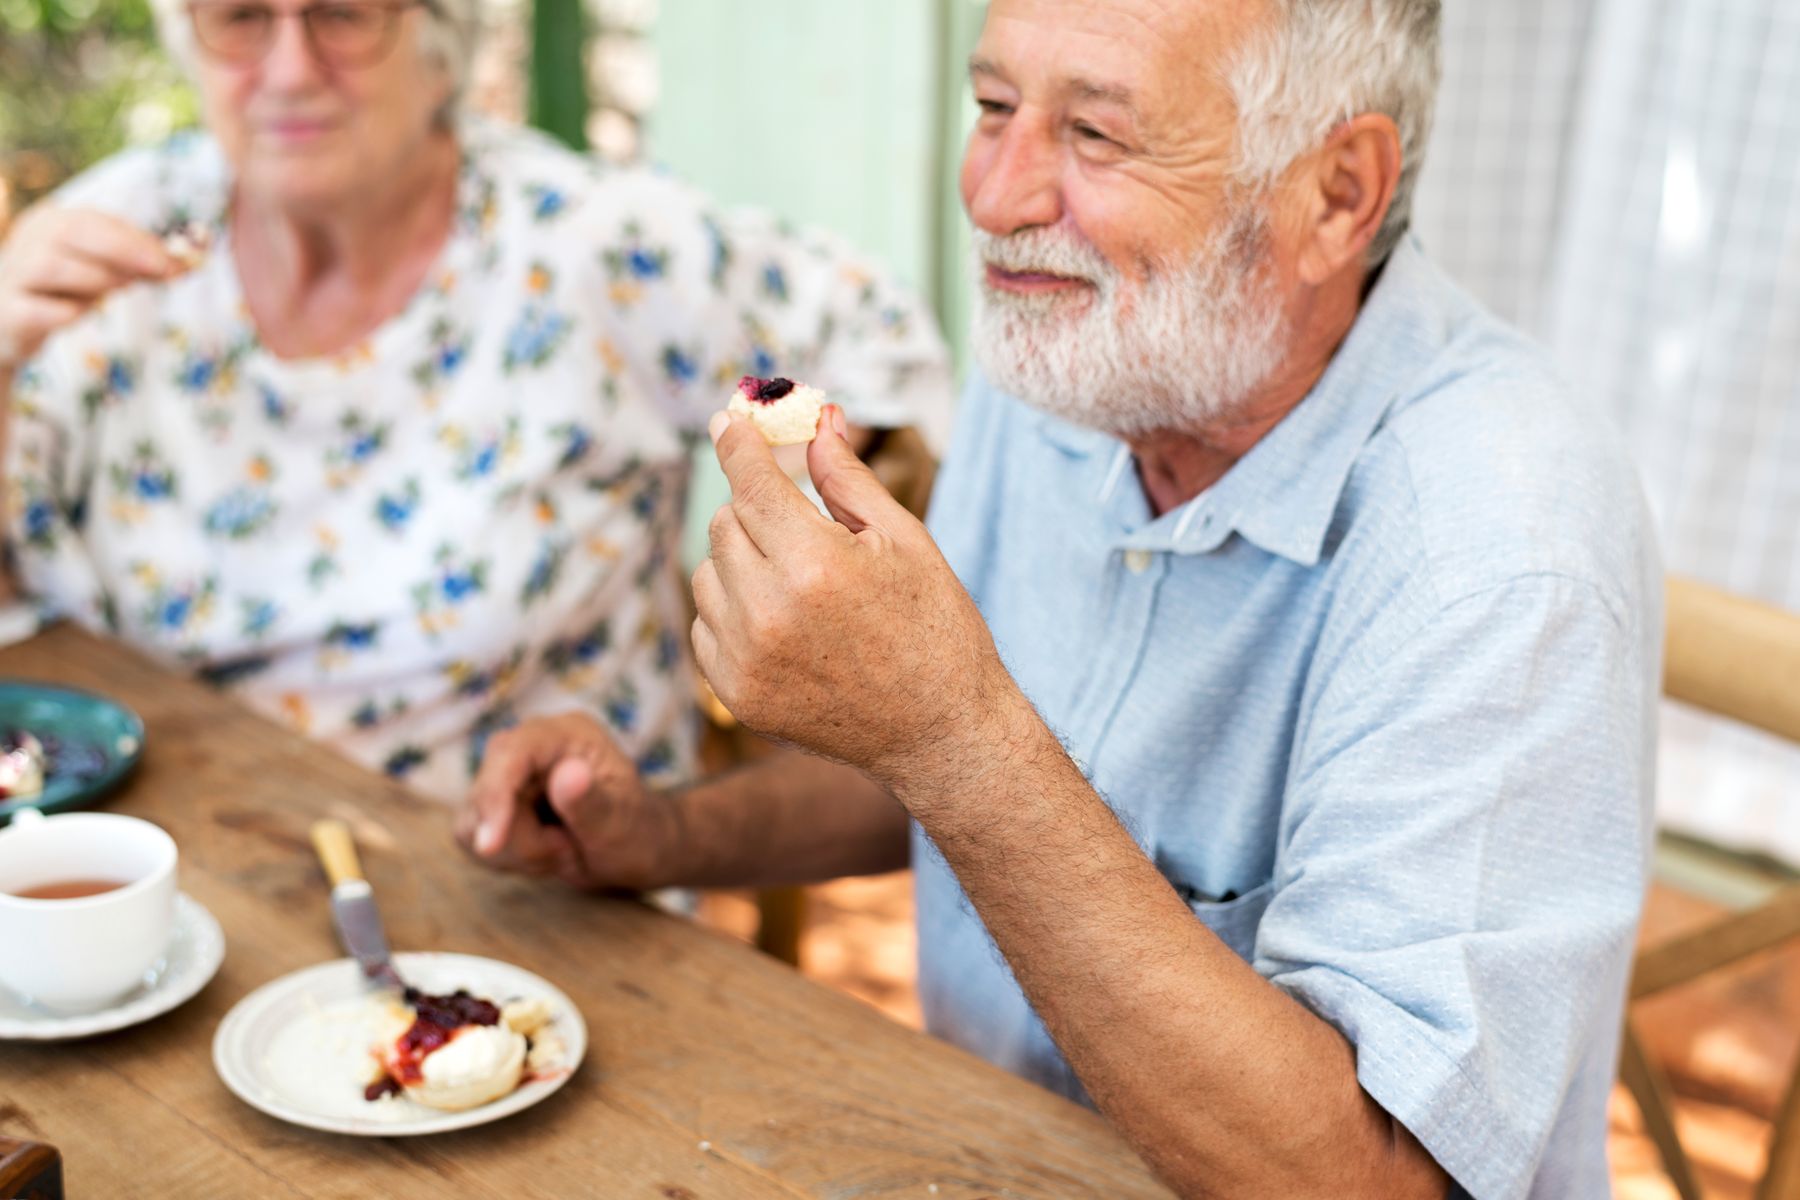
x,y
784,412
456,1053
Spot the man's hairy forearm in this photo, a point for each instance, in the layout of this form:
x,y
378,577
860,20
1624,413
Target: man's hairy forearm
x,y
788,819
1227,1085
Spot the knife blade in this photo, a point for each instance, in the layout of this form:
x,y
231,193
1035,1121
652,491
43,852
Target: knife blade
x,y
353,908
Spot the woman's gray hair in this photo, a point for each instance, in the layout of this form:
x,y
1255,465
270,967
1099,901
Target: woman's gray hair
x,y
1321,62
449,34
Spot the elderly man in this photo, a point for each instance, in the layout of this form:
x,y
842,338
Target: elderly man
x,y
1266,713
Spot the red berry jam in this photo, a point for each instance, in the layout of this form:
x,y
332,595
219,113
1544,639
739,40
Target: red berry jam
x,y
764,391
438,1019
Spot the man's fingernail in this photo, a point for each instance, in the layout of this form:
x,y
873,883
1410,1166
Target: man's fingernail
x,y
487,838
715,428
838,423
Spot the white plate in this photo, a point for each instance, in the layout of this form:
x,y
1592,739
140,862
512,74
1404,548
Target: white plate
x,y
331,1097
195,952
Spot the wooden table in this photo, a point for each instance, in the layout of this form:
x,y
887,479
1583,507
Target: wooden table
x,y
712,1071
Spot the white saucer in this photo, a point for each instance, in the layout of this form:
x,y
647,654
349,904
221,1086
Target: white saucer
x,y
243,1046
195,952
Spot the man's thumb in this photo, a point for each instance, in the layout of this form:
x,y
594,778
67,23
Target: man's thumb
x,y
569,783
852,494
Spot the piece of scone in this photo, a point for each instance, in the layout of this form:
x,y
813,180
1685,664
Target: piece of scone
x,y
526,1016
784,412
188,245
478,1064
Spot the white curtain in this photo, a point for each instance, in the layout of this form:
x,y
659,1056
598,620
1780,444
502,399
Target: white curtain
x,y
1622,177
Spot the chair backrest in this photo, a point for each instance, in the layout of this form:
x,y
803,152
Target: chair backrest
x,y
1733,656
1739,659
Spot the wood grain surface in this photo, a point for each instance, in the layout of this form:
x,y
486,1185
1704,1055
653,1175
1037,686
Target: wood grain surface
x,y
712,1071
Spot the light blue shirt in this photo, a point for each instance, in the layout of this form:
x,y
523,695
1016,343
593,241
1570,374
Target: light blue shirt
x,y
1379,704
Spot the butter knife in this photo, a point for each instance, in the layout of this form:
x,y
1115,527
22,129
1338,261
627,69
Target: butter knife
x,y
353,903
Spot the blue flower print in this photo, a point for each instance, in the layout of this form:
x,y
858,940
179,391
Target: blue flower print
x,y
478,458
621,707
404,761
679,365
544,572
456,582
394,510
774,283
141,480
114,378
721,253
576,442
449,351
568,656
362,636
40,522
240,513
658,758
546,201
248,509
486,726
198,373
359,440
534,337
174,611
259,616
276,409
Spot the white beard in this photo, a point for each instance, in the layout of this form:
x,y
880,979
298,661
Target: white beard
x,y
1178,352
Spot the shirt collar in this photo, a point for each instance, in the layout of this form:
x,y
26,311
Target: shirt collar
x,y
1282,495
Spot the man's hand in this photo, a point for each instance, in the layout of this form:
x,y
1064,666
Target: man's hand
x,y
613,833
850,638
58,263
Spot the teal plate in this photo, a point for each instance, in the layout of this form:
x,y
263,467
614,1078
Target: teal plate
x,y
91,742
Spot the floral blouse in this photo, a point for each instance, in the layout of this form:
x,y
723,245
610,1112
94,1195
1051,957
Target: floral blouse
x,y
471,517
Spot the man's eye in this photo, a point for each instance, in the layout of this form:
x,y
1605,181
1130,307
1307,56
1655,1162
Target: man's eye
x,y
993,106
1089,133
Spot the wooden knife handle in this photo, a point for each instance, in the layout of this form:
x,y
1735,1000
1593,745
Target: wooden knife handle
x,y
337,851
30,1170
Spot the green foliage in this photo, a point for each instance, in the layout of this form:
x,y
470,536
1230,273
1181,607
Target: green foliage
x,y
82,79
559,100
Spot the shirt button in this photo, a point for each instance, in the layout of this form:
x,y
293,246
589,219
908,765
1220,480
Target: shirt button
x,y
1138,561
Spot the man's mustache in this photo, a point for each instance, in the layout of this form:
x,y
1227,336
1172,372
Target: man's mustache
x,y
1036,252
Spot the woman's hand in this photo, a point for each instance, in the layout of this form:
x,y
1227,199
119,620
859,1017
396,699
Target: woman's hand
x,y
57,263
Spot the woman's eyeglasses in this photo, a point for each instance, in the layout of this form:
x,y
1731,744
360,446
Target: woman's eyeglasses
x,y
343,33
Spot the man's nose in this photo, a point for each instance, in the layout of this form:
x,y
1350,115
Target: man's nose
x,y
1015,182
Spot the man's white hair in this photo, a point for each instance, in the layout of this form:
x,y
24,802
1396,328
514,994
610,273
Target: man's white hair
x,y
449,34
1321,62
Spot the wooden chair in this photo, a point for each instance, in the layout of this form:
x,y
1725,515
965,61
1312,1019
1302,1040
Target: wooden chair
x,y
1739,659
905,465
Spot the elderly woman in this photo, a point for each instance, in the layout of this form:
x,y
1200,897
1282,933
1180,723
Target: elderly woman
x,y
402,458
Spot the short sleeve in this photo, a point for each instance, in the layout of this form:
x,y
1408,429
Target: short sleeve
x,y
1463,860
700,296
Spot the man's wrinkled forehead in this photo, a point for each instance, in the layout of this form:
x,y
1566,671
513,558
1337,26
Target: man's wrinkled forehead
x,y
1144,53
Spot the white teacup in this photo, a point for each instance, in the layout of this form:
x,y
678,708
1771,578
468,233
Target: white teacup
x,y
83,954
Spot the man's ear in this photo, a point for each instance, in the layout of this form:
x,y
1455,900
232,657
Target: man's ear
x,y
1343,191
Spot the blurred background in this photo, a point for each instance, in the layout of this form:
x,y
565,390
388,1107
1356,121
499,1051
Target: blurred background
x,y
1619,177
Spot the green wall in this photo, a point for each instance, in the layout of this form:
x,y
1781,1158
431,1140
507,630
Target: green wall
x,y
843,114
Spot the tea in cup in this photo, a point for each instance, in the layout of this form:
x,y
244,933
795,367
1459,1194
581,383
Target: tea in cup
x,y
87,907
